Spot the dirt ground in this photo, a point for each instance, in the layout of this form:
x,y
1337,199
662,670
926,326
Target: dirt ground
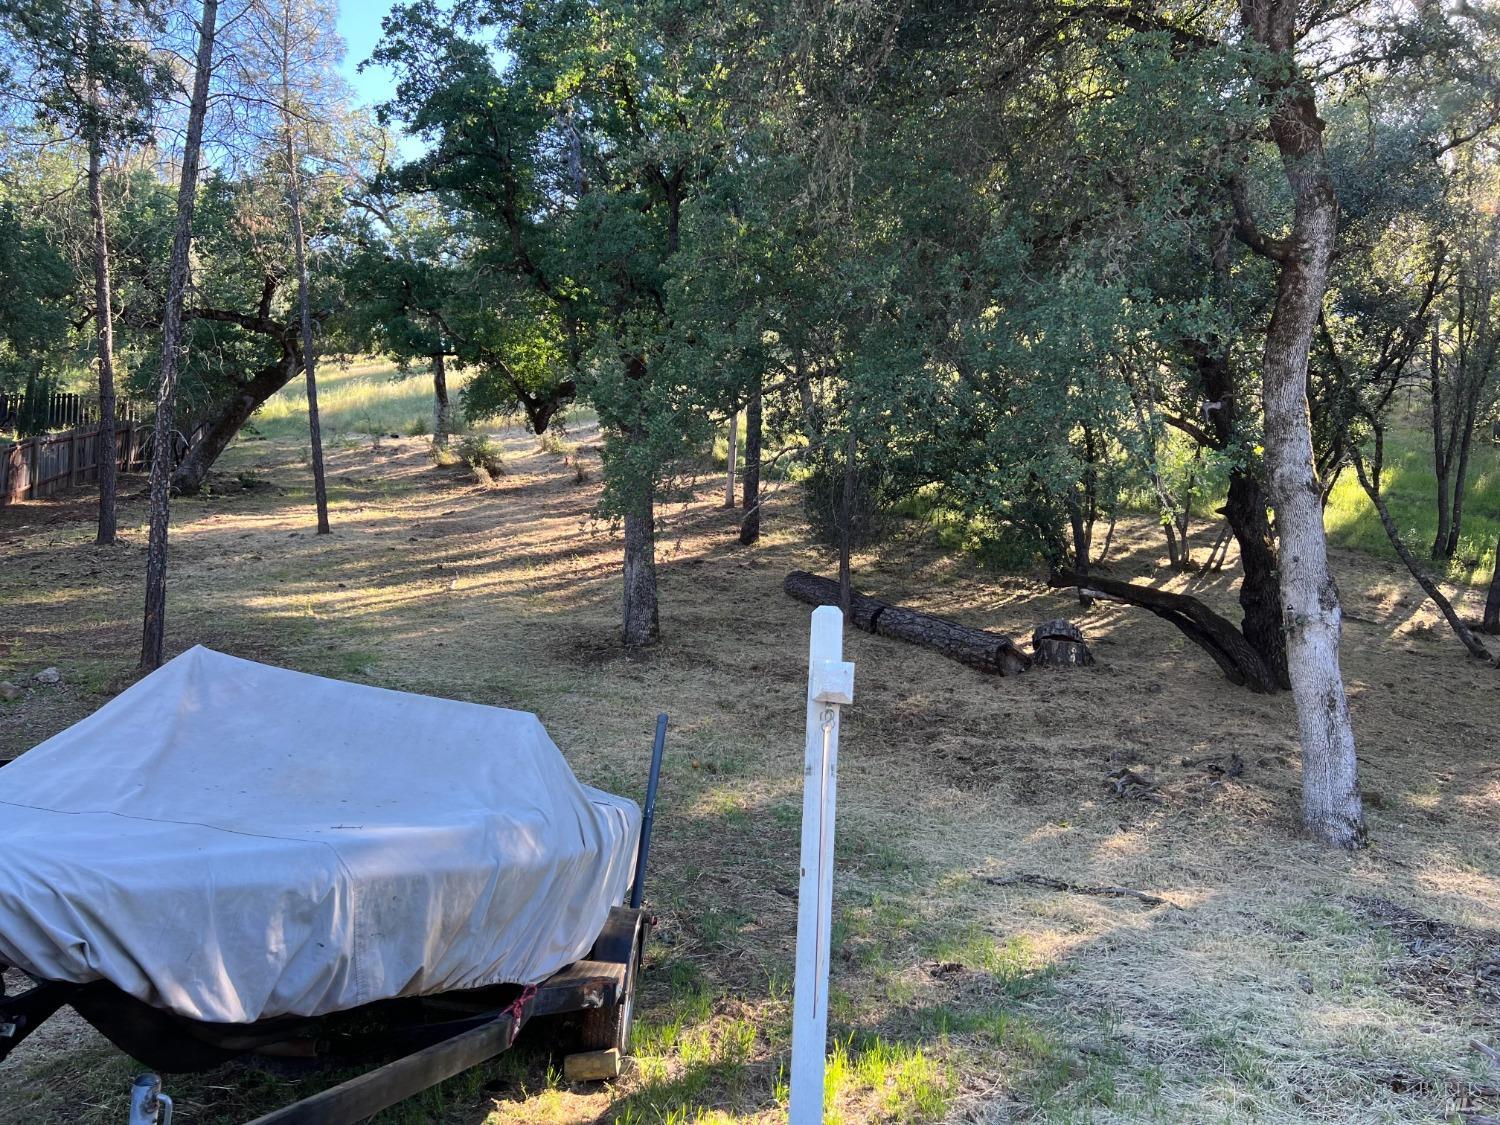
x,y
1280,981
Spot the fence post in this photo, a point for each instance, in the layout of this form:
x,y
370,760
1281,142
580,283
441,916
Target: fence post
x,y
830,686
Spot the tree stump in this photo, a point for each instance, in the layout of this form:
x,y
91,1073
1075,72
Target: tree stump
x,y
1059,644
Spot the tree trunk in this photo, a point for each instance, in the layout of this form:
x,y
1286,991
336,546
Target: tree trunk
x,y
104,323
1492,602
642,626
1246,512
1082,547
304,298
442,413
233,413
1331,805
733,441
1418,571
153,633
1218,637
1164,497
1260,586
1185,520
309,360
1059,644
1442,451
989,652
104,320
1466,423
750,477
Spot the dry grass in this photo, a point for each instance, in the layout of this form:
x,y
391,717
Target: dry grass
x,y
1277,993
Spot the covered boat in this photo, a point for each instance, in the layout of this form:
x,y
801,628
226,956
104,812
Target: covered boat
x,y
232,842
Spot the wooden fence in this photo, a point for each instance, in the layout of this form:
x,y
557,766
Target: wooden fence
x,y
39,466
60,411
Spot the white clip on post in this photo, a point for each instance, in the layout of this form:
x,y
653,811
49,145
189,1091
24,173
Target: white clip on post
x,y
830,685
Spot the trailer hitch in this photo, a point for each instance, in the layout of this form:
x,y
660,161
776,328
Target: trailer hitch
x,y
148,1105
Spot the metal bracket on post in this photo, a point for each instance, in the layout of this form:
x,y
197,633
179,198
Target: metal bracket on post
x,y
831,681
830,686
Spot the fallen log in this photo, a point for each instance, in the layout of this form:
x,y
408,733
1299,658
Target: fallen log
x,y
1216,635
989,652
1049,883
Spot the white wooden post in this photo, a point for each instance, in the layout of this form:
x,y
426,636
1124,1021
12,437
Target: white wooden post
x,y
830,685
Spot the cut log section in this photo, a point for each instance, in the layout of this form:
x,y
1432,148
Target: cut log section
x,y
994,653
1214,634
1059,644
592,1066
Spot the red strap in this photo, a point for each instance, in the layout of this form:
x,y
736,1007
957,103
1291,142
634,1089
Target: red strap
x,y
517,1008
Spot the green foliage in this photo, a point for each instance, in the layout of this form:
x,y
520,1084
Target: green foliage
x,y
34,416
570,143
33,319
87,70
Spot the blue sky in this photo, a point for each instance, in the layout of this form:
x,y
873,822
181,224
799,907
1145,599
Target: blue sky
x,y
359,25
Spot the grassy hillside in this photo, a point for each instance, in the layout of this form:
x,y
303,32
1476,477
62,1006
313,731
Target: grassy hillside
x,y
362,397
1410,488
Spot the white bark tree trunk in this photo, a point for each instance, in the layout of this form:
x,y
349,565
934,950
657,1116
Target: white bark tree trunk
x,y
442,411
1331,806
733,454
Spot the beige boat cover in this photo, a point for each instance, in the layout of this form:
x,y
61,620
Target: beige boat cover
x,y
233,841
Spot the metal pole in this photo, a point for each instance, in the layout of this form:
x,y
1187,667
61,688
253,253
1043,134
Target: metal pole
x,y
648,814
830,685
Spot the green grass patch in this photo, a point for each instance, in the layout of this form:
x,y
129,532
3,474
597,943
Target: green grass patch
x,y
1014,962
876,1078
1409,486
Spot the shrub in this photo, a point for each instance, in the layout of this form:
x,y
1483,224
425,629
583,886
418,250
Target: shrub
x,y
420,426
479,451
554,443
